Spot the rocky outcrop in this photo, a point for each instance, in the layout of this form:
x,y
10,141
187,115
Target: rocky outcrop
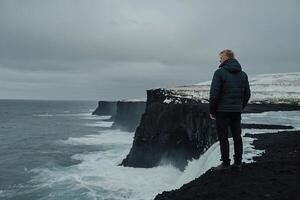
x,y
106,108
265,126
128,115
263,107
175,129
170,132
274,175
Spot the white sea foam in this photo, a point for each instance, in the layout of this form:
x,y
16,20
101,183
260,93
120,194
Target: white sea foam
x,y
80,115
96,117
211,157
105,124
3,193
43,115
107,137
100,177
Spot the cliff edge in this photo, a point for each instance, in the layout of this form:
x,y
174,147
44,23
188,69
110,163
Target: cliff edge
x,y
170,132
128,115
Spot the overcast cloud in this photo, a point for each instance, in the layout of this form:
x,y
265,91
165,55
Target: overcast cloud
x,y
116,49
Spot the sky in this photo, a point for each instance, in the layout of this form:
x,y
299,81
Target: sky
x,y
118,49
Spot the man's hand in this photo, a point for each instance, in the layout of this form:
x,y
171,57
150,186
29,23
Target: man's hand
x,y
212,116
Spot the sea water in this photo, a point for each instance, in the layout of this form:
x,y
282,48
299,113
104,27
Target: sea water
x,y
58,150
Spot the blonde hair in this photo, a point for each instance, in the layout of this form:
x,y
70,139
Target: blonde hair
x,y
229,53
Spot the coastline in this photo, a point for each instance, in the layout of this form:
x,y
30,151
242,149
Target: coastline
x,y
273,175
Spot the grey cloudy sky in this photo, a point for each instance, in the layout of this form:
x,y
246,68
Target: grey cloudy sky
x,y
115,49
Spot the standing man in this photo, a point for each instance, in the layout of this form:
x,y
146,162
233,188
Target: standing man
x,y
229,94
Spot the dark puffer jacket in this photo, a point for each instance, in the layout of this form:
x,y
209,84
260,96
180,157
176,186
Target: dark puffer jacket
x,y
229,90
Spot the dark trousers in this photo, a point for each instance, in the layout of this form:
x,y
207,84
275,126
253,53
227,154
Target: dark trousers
x,y
226,121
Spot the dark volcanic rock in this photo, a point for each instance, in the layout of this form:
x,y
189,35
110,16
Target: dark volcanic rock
x,y
106,108
275,175
266,126
174,132
128,115
258,108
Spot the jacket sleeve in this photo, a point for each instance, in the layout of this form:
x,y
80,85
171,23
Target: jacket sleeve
x,y
247,92
215,91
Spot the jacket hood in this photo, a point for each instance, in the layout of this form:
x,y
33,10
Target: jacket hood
x,y
231,65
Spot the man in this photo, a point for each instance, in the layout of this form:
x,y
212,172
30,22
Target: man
x,y
229,94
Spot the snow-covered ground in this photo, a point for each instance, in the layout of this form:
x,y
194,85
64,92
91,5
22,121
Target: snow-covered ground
x,y
265,88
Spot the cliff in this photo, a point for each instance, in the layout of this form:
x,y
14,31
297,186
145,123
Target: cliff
x,y
264,107
172,132
176,127
128,114
106,108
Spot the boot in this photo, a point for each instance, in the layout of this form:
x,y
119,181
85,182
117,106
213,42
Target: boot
x,y
236,167
221,167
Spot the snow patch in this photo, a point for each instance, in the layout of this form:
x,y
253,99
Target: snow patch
x,y
265,88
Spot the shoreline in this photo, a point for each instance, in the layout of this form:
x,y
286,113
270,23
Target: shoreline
x,y
273,175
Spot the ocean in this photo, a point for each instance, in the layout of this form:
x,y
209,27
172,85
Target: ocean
x,y
58,150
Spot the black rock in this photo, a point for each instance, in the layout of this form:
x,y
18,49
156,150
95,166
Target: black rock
x,y
170,132
263,107
128,115
106,108
266,126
